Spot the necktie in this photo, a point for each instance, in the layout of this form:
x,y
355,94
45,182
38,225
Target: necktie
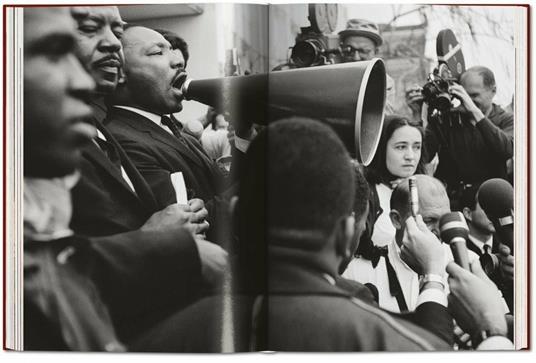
x,y
487,249
394,285
175,129
110,151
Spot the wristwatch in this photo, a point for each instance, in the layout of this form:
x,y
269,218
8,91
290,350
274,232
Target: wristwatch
x,y
431,278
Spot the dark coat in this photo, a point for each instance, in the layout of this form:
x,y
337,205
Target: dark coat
x,y
467,153
103,203
157,154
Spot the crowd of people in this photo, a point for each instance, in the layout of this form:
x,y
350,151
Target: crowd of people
x,y
139,237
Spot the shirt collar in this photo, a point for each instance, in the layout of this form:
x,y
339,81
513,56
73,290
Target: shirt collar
x,y
48,207
151,116
480,244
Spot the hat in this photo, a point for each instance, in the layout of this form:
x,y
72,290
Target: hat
x,y
363,28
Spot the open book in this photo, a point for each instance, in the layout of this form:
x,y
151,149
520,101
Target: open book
x,y
247,177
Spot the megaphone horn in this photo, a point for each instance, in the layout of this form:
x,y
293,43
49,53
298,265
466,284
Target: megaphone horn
x,y
350,97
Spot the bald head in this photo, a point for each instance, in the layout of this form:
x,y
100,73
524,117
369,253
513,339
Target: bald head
x,y
433,201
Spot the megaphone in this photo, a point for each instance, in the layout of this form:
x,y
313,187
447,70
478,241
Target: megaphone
x,y
350,97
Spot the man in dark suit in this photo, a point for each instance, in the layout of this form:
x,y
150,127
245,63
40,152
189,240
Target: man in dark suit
x,y
140,121
135,243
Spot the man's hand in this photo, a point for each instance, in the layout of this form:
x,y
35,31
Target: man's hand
x,y
474,300
197,207
506,263
460,93
175,215
422,250
213,260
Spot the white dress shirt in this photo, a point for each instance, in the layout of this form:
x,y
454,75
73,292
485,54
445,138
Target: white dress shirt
x,y
384,231
480,244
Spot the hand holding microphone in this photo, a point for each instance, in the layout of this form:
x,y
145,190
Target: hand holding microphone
x,y
422,251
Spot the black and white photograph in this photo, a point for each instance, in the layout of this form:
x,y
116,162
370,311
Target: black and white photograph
x,y
232,177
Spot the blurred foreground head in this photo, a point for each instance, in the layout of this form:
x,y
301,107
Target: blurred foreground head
x,y
297,191
56,90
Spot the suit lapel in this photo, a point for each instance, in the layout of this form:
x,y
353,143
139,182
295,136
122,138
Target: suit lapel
x,y
143,124
143,191
93,153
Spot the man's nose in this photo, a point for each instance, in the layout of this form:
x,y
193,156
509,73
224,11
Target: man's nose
x,y
356,56
109,41
80,81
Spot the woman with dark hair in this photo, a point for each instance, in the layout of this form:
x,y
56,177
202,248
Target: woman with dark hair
x,y
398,156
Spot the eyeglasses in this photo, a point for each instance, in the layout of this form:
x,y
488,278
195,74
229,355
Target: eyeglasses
x,y
349,51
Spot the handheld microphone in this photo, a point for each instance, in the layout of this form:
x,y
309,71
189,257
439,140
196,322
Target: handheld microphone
x,y
454,231
496,197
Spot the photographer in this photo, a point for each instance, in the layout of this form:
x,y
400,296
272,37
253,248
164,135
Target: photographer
x,y
474,140
361,41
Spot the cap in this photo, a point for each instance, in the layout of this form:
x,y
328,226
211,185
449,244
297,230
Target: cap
x,y
363,28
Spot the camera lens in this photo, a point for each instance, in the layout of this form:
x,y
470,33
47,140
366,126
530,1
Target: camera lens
x,y
305,53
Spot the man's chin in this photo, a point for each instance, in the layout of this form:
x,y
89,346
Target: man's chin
x,y
106,85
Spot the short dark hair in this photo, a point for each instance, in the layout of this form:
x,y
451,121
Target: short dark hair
x,y
468,197
377,171
176,43
308,176
488,78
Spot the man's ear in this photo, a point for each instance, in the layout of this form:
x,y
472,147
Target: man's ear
x,y
396,219
345,234
467,213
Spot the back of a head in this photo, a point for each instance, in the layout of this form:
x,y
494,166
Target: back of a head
x,y
430,190
310,178
298,179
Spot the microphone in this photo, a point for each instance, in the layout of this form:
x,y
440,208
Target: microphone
x,y
454,231
496,197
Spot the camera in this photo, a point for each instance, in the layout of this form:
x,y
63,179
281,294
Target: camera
x,y
314,49
315,44
436,91
451,66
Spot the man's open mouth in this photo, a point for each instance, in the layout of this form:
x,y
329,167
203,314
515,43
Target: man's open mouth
x,y
179,80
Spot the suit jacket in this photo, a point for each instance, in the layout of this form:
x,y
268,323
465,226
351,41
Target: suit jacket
x,y
103,203
108,211
301,311
157,154
307,313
